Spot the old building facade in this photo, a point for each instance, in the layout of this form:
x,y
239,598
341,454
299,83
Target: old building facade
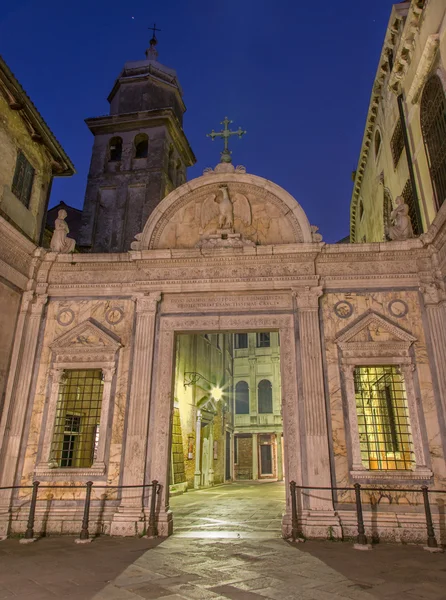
x,y
126,365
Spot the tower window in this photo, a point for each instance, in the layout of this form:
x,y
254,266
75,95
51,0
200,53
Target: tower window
x,y
433,127
387,209
115,149
22,182
242,398
263,340
141,145
383,419
76,431
265,396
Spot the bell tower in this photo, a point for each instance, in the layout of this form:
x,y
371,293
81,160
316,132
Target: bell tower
x,y
140,154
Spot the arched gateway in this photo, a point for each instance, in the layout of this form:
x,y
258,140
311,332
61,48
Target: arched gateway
x,y
90,395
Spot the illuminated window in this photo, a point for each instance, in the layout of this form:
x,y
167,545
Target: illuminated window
x,y
265,396
76,432
433,126
242,398
115,149
22,182
263,340
141,145
383,419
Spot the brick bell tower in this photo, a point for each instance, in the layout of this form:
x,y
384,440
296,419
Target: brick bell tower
x,y
140,154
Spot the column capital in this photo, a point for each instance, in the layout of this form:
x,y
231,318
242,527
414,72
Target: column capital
x,y
146,303
108,373
433,293
56,375
38,304
27,298
307,298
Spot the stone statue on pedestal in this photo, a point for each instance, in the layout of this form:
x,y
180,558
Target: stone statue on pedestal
x,y
60,242
401,228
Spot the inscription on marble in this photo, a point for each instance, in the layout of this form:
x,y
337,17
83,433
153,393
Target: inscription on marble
x,y
200,303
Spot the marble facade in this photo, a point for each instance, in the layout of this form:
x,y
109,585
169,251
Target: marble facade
x,y
334,306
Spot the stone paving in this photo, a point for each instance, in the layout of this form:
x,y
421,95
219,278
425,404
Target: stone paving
x,y
227,558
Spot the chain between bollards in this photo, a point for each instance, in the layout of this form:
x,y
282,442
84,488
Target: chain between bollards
x,y
361,538
85,534
431,539
29,533
153,529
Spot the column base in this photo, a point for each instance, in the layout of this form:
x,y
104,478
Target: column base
x,y
321,524
165,523
129,521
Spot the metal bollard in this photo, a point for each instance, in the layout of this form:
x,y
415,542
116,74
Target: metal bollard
x,y
85,535
294,522
153,529
431,539
361,538
29,533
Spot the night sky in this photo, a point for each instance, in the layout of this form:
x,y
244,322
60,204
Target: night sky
x,y
296,75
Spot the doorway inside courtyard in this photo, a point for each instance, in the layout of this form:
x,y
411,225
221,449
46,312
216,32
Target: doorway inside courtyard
x,y
227,454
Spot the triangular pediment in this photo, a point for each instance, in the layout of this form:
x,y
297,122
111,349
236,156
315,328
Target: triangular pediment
x,y
87,335
372,327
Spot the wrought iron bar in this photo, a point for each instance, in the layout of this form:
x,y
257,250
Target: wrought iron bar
x,y
294,521
29,533
85,534
361,538
431,540
153,529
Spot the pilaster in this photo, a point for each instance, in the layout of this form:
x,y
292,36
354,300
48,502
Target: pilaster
x,y
129,518
255,456
315,419
18,390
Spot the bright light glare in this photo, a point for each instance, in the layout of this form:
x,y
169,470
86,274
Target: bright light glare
x,y
217,393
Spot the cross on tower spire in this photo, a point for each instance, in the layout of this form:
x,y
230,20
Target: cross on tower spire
x,y
151,52
154,29
225,134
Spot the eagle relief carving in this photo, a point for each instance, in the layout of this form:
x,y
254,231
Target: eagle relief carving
x,y
226,208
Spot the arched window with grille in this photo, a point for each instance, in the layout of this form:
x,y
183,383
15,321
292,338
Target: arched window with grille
x,y
265,396
433,127
141,145
387,209
242,398
115,149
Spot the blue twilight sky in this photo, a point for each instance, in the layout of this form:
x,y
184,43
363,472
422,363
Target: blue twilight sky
x,y
296,75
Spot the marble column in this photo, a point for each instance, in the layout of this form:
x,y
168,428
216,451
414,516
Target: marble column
x,y
314,418
435,303
255,456
277,405
279,456
130,510
252,388
18,391
211,454
197,474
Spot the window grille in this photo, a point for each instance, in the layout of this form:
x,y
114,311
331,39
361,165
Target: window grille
x,y
409,199
383,419
263,340
241,340
433,127
22,182
265,396
115,149
242,398
78,413
387,209
397,143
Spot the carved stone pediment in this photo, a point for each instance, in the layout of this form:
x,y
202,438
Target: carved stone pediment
x,y
221,210
373,335
85,342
